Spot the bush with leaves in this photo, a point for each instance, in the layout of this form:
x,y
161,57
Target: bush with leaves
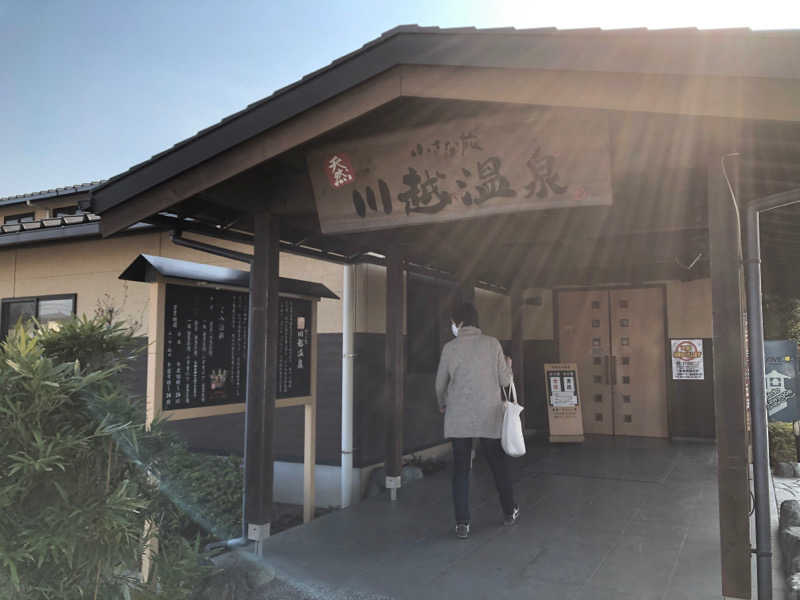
x,y
781,317
80,475
782,446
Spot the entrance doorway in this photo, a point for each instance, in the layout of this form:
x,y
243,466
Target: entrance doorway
x,y
617,338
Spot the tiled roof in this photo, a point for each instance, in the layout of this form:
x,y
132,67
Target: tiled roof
x,y
48,223
53,193
767,53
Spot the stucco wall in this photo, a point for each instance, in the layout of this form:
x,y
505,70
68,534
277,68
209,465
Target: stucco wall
x,y
537,321
689,308
494,313
90,269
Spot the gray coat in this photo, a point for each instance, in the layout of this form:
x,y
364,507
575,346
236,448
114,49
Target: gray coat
x,y
471,370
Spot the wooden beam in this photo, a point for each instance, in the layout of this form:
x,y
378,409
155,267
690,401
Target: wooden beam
x,y
262,356
343,108
394,388
729,389
737,97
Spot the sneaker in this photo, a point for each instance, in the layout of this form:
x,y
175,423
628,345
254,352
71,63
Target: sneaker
x,y
462,530
512,518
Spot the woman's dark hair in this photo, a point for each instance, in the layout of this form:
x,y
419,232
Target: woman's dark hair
x,y
466,313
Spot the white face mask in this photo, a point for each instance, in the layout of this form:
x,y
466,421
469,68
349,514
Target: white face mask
x,y
454,329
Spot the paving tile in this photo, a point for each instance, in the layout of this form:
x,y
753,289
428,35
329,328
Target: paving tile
x,y
628,519
638,565
570,558
601,593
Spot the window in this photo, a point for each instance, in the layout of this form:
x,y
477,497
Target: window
x,y
67,211
18,218
46,309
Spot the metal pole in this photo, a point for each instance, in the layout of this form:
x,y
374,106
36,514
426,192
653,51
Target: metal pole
x,y
348,318
758,409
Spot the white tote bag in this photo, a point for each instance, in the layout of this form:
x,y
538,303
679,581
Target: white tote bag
x,y
512,439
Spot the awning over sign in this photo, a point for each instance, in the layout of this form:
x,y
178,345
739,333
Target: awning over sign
x,y
146,267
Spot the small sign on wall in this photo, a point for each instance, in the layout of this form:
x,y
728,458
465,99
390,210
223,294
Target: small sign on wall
x,y
687,359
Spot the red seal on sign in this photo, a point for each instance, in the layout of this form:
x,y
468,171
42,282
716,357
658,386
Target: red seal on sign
x,y
340,170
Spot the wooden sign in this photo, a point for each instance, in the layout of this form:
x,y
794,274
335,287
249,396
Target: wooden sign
x,y
464,168
205,347
294,347
563,402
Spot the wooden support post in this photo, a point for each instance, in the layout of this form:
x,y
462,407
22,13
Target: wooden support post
x,y
262,356
394,388
518,345
729,384
155,351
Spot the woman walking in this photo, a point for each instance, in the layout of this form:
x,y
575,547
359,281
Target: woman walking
x,y
471,372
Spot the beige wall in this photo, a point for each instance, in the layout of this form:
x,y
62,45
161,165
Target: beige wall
x,y
494,313
537,321
688,311
370,299
689,308
90,269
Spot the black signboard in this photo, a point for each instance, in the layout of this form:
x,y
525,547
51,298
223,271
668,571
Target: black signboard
x,y
205,347
780,380
294,348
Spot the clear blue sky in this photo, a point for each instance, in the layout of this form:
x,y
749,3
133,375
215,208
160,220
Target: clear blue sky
x,y
88,89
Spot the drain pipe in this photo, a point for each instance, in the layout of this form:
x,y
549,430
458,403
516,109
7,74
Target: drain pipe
x,y
178,240
348,357
758,409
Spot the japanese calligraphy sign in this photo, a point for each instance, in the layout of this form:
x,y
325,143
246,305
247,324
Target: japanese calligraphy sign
x,y
294,347
463,168
205,347
563,402
687,359
780,380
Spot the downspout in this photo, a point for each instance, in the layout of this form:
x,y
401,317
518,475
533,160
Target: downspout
x,y
348,318
758,409
176,238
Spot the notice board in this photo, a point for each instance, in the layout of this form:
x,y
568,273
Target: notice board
x,y
205,347
563,402
780,380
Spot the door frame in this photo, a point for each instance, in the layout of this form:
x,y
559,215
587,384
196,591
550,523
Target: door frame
x,y
609,288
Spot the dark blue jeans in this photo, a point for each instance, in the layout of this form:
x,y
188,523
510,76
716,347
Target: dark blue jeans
x,y
498,463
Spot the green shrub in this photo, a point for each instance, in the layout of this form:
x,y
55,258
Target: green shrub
x,y
80,475
781,443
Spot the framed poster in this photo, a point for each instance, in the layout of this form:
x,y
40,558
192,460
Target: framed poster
x,y
687,359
